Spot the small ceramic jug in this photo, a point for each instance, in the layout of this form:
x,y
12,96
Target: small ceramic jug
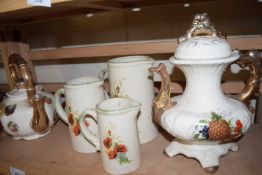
x,y
129,77
27,112
80,93
118,138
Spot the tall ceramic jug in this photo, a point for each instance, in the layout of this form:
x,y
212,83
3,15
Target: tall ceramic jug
x,y
80,93
204,121
129,77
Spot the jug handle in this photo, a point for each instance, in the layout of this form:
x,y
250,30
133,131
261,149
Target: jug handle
x,y
249,60
103,74
60,111
91,115
15,60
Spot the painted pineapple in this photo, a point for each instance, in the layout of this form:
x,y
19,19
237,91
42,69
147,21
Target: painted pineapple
x,y
219,129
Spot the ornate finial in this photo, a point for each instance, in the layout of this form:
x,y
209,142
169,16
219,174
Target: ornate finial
x,y
201,25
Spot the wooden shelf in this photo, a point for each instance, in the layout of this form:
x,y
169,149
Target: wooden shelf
x,y
132,48
53,154
19,12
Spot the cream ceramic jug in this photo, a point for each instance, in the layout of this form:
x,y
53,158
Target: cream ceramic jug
x,y
203,119
129,77
80,93
117,139
28,112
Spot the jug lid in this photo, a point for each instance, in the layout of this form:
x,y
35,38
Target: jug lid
x,y
201,42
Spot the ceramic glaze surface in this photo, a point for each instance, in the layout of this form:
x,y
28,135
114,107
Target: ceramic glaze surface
x,y
18,114
202,97
80,93
129,77
118,139
203,111
204,121
200,48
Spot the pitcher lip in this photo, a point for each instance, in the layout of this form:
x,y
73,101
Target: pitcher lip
x,y
134,105
97,80
233,57
130,60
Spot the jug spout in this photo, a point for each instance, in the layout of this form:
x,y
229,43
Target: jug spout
x,y
40,121
162,101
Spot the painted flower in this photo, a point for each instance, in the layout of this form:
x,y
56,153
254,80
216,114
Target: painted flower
x,y
76,129
107,142
121,148
70,118
115,149
112,154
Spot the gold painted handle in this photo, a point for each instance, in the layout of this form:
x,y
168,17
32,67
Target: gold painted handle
x,y
17,63
250,60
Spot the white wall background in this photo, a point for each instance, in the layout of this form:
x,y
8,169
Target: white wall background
x,y
64,72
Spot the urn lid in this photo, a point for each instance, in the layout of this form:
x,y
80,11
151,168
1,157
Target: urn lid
x,y
201,42
202,48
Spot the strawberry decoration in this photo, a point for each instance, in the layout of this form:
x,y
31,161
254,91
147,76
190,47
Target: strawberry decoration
x,y
238,128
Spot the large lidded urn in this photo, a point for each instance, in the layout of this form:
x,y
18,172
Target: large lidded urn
x,y
204,121
27,112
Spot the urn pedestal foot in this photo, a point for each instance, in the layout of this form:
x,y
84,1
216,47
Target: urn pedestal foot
x,y
207,154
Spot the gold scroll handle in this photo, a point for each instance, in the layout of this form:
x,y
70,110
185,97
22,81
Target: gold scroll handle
x,y
200,26
17,65
251,61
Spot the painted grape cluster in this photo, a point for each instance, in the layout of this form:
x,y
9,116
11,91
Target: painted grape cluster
x,y
115,150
